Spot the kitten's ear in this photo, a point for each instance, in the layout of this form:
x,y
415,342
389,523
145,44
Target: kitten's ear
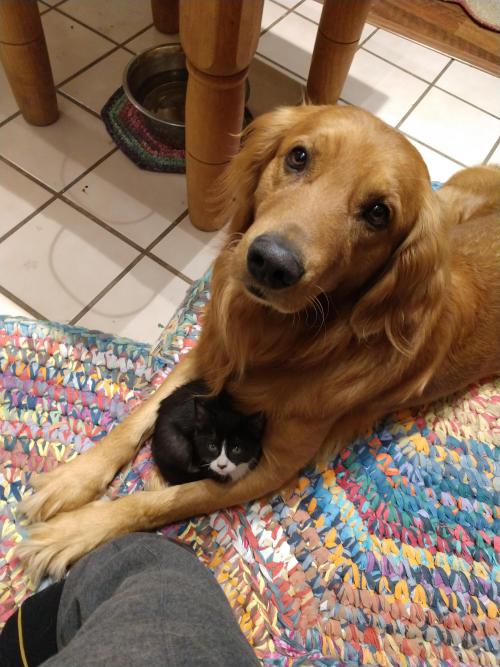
x,y
201,415
256,423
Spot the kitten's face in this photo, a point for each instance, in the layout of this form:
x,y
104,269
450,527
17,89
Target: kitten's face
x,y
227,442
231,458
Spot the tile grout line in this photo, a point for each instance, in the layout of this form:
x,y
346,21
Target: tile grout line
x,y
117,46
114,231
407,39
143,252
60,196
265,58
433,83
126,270
27,174
492,150
289,10
56,194
25,220
359,48
471,104
435,150
76,102
138,34
88,170
19,302
362,42
400,67
167,231
105,289
52,6
412,108
169,267
283,67
316,23
101,34
9,118
362,45
85,25
87,67
421,97
297,4
101,223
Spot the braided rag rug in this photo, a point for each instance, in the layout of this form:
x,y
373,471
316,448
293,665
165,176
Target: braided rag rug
x,y
386,556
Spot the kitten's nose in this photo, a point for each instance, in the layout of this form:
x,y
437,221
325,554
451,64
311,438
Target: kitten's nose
x,y
222,466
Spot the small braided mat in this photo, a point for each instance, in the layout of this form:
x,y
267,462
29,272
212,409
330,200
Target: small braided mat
x,y
129,132
387,556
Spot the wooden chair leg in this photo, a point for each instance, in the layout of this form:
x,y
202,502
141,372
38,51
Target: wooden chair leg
x,y
338,36
166,15
220,39
24,55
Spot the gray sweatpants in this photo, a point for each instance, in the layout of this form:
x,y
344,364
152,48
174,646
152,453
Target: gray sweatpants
x,y
144,601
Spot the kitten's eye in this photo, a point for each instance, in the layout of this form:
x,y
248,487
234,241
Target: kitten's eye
x,y
296,159
236,449
377,214
212,446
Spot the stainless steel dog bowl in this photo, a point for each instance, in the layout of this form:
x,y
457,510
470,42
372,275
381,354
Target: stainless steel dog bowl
x,y
155,82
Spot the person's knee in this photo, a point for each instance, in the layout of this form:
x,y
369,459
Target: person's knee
x,y
127,554
155,547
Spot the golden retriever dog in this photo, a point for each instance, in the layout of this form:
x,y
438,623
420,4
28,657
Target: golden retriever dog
x,y
347,289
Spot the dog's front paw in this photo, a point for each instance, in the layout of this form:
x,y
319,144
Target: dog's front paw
x,y
68,487
54,545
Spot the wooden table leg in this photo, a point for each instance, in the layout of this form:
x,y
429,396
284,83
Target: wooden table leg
x,y
24,55
220,39
166,15
338,36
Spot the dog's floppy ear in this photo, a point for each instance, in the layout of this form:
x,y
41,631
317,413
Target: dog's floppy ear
x,y
403,301
260,140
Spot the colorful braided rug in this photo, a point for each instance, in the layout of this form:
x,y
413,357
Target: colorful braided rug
x,y
387,556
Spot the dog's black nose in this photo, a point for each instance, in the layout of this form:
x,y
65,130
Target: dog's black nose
x,y
273,263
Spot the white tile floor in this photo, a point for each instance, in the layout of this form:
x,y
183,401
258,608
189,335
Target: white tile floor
x,y
87,238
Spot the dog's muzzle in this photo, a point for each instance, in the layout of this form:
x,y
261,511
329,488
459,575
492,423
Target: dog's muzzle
x,y
273,263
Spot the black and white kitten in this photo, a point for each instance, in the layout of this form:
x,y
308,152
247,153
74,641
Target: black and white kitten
x,y
196,437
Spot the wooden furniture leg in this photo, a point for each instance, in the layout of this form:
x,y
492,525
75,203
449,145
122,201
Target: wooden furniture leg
x,y
220,39
166,15
24,55
338,36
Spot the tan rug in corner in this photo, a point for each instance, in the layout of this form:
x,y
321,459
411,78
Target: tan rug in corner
x,y
485,12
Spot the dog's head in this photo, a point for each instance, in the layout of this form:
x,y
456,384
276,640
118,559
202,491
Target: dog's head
x,y
330,200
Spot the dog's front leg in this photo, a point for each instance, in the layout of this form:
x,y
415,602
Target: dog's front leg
x,y
52,546
73,484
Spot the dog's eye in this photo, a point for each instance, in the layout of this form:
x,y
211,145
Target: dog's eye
x,y
296,159
377,214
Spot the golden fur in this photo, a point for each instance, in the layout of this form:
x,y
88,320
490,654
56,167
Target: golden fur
x,y
382,318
